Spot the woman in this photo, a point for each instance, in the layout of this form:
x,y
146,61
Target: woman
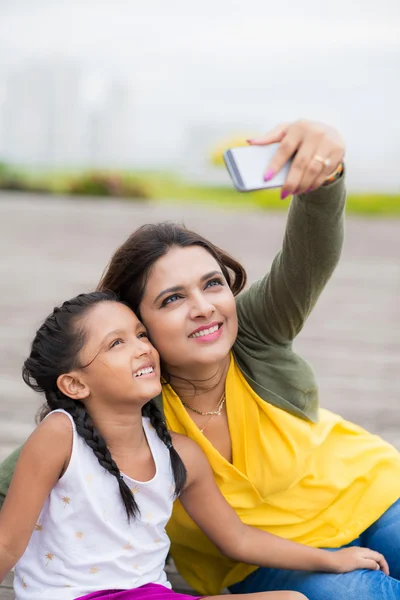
x,y
233,383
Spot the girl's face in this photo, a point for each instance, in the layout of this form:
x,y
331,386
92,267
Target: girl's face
x,y
189,309
122,365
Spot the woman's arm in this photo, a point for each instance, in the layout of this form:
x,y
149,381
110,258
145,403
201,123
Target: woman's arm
x,y
42,461
7,468
205,504
274,309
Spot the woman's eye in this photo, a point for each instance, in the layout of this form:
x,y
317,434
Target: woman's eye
x,y
214,282
170,299
116,343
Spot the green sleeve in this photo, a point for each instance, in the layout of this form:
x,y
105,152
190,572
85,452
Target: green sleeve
x,y
275,308
7,468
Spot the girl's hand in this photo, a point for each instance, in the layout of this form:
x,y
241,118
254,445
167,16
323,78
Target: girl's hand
x,y
319,150
253,546
350,559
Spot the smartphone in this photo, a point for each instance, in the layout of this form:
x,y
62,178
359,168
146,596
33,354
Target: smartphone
x,y
248,164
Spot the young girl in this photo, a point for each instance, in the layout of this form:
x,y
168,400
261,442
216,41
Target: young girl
x,y
92,492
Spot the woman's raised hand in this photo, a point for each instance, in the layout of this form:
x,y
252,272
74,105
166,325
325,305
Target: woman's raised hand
x,y
318,150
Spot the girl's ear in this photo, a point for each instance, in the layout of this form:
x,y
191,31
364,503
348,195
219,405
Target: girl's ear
x,y
73,386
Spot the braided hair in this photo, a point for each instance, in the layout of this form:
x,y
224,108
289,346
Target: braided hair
x,y
55,351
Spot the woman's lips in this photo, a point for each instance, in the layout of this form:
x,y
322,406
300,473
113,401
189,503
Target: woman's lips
x,y
209,333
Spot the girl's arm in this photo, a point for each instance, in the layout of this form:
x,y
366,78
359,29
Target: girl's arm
x,y
207,507
43,459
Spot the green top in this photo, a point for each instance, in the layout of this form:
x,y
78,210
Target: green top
x,y
272,311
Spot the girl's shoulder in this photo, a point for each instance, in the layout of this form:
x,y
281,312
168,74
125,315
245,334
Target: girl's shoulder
x,y
189,451
56,429
57,422
183,443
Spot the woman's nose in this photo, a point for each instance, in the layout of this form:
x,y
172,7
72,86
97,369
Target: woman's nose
x,y
201,307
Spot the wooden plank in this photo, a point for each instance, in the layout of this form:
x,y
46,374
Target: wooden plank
x,y
178,584
6,591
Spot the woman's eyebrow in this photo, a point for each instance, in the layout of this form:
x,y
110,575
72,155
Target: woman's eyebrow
x,y
175,288
211,274
178,288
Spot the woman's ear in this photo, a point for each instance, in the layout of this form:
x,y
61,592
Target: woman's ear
x,y
73,386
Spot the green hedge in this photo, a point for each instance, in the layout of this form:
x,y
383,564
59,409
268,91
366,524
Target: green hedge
x,y
87,183
169,187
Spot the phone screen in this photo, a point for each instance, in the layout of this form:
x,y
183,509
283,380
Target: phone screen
x,y
247,166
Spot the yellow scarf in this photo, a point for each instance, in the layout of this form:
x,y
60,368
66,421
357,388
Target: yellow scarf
x,y
319,484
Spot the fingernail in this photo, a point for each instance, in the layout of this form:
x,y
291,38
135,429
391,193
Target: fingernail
x,y
308,190
284,195
249,141
269,175
296,191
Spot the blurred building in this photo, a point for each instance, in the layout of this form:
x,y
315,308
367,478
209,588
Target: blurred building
x,y
42,114
110,127
49,119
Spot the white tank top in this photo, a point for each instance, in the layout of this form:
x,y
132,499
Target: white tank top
x,y
83,542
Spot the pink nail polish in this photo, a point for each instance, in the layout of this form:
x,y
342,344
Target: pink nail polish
x,y
284,195
308,190
269,175
249,141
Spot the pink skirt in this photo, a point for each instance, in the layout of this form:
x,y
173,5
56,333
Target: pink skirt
x,y
151,591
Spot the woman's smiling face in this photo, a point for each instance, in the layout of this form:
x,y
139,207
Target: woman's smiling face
x,y
189,309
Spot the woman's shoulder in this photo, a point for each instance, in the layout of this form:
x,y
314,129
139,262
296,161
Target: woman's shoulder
x,y
279,376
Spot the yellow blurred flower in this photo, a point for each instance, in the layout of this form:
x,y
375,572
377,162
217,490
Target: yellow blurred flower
x,y
216,156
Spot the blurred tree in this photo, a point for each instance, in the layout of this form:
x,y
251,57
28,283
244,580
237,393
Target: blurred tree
x,y
216,157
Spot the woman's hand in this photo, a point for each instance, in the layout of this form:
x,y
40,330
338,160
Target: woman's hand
x,y
318,149
352,558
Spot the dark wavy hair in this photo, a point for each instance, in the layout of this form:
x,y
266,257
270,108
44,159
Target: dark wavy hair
x,y
130,266
55,351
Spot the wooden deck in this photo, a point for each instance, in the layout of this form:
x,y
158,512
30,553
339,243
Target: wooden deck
x,y
51,249
6,590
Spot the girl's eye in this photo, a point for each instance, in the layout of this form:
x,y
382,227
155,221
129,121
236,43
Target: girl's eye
x,y
170,299
116,343
214,282
143,334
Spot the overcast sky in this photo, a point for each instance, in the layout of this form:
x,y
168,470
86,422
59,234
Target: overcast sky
x,y
120,29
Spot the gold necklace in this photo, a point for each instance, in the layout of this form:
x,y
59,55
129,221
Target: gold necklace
x,y
220,407
207,422
215,412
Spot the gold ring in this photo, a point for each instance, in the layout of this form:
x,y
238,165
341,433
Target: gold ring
x,y
325,161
